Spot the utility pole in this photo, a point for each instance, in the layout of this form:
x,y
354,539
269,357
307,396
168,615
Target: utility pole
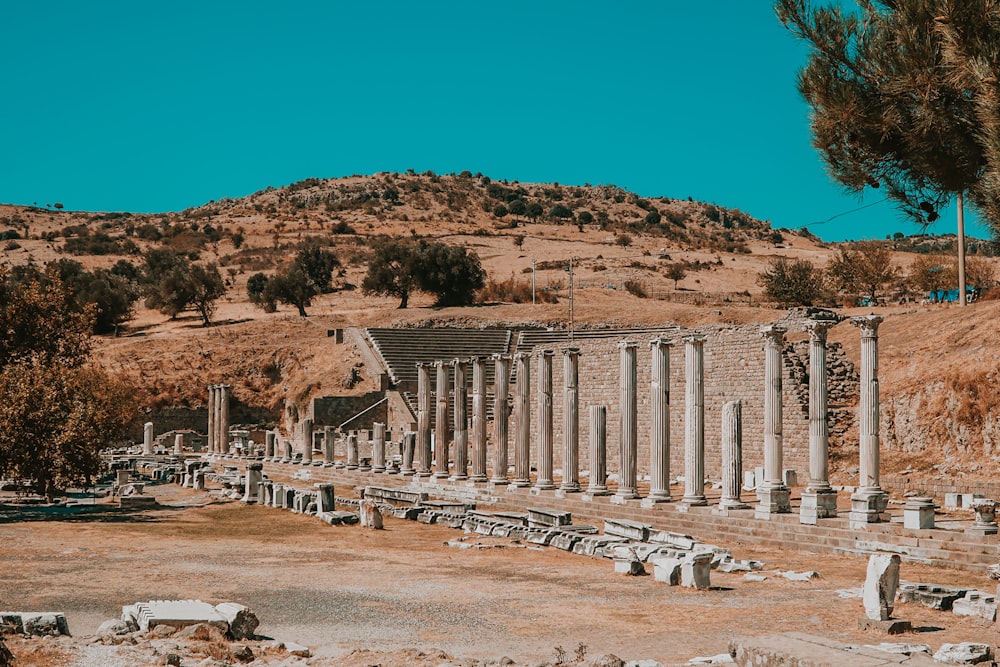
x,y
532,282
961,251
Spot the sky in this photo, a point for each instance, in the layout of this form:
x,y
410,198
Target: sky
x,y
154,107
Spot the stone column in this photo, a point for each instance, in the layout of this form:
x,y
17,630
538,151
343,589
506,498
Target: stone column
x,y
364,450
478,419
378,447
732,457
409,444
571,420
598,485
423,453
147,439
522,422
659,423
352,451
819,500
179,443
329,442
324,498
211,420
628,441
269,452
544,480
501,388
441,427
868,504
461,469
224,418
773,494
254,476
694,421
306,435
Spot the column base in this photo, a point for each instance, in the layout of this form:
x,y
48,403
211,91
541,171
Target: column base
x,y
458,478
623,498
693,501
378,469
773,500
499,481
868,506
818,505
982,529
727,504
653,500
441,475
542,486
422,474
520,484
563,490
478,478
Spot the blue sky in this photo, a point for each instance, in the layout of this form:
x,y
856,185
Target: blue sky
x,y
152,107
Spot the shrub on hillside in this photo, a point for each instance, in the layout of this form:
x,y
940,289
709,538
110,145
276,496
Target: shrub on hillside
x,y
513,291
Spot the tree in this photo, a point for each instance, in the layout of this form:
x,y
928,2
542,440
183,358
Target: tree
x,y
294,287
318,264
929,273
791,281
675,272
894,98
534,211
560,212
207,288
585,217
256,289
500,211
864,267
517,207
652,218
38,318
450,273
56,418
391,270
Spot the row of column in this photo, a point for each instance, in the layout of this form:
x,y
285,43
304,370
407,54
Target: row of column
x,y
218,418
819,499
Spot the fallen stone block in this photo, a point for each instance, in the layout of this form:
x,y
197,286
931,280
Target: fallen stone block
x,y
976,603
800,576
371,517
37,624
966,653
631,530
242,622
695,571
930,595
339,517
804,650
175,613
678,540
900,648
114,627
133,502
548,517
629,565
754,577
720,659
667,571
888,626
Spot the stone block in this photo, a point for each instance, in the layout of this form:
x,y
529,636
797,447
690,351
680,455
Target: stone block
x,y
889,626
817,505
667,570
629,565
631,530
930,595
749,480
804,650
953,500
174,613
978,604
678,540
881,582
242,622
790,477
774,500
371,517
548,517
696,570
966,653
918,513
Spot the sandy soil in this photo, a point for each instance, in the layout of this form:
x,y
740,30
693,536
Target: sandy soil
x,y
340,589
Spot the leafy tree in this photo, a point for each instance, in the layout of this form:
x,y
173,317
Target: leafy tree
x,y
38,319
517,207
560,212
318,264
56,418
652,218
929,273
791,281
256,289
207,288
294,287
864,267
500,211
902,96
534,211
675,272
450,273
391,270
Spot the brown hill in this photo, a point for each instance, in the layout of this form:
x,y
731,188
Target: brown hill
x,y
938,366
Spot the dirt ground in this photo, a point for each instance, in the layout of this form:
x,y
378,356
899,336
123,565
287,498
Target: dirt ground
x,y
362,597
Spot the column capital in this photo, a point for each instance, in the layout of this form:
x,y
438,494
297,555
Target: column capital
x,y
522,356
773,333
661,342
456,363
545,353
817,329
500,357
627,344
571,351
440,363
694,339
422,364
868,325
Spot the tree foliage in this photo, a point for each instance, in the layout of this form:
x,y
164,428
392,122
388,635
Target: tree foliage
x,y
398,268
38,318
864,267
791,281
309,274
173,284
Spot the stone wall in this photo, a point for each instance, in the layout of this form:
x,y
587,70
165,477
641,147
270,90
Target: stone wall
x,y
196,419
734,370
335,410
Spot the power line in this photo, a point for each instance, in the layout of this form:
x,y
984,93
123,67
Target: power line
x,y
853,210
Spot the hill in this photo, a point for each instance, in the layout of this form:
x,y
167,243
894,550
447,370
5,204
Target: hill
x,y
938,366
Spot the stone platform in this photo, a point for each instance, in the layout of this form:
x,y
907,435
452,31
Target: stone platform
x,y
951,548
